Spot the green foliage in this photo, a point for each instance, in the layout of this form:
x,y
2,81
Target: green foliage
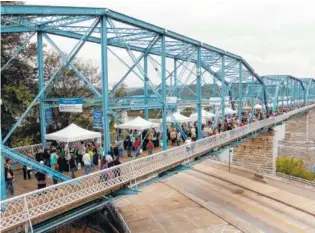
x,y
293,167
22,141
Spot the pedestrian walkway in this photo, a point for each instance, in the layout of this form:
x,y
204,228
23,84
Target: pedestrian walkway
x,y
22,186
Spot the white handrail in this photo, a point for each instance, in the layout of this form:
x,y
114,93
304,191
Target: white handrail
x,y
49,199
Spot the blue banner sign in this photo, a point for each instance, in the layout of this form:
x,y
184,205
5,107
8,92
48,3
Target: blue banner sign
x,y
49,116
70,105
97,119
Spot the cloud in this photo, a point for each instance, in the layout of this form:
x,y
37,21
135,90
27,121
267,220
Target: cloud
x,y
275,37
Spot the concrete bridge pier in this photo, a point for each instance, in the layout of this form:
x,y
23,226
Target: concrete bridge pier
x,y
299,139
260,153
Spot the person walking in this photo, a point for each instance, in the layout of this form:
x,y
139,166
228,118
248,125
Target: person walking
x,y
188,145
9,177
120,148
95,157
53,162
41,178
150,147
87,162
137,145
104,163
173,136
73,166
128,145
27,170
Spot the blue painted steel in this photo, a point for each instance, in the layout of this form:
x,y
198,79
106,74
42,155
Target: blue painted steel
x,y
105,99
147,50
17,29
175,81
3,194
40,61
175,77
223,87
163,77
64,63
276,98
17,51
240,91
27,161
199,94
145,66
80,75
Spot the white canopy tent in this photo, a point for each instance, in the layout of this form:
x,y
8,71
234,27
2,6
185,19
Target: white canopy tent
x,y
229,111
139,124
204,113
178,117
73,133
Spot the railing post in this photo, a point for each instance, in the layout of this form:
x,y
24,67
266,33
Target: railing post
x,y
28,216
133,176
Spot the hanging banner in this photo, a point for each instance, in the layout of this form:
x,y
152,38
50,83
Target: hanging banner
x,y
97,119
70,105
49,116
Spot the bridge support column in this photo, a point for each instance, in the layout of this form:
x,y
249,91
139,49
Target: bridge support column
x,y
145,66
163,77
105,100
40,61
199,90
240,91
2,175
256,153
175,81
223,88
299,139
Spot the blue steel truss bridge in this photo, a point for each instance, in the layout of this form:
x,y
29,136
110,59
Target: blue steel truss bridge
x,y
168,64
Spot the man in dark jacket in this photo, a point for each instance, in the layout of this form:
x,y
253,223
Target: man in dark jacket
x,y
41,178
9,177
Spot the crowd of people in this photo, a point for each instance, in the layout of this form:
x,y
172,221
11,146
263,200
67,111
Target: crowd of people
x,y
63,157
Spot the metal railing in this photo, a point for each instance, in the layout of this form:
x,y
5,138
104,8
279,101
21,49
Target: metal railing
x,y
50,200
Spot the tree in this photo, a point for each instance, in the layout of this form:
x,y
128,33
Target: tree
x,y
17,88
68,85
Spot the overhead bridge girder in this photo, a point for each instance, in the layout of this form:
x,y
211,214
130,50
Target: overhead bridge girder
x,y
27,161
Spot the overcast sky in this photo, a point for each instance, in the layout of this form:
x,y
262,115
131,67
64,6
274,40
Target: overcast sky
x,y
274,36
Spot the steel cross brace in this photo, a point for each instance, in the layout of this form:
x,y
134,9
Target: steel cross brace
x,y
17,51
180,64
153,62
154,41
80,75
149,82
